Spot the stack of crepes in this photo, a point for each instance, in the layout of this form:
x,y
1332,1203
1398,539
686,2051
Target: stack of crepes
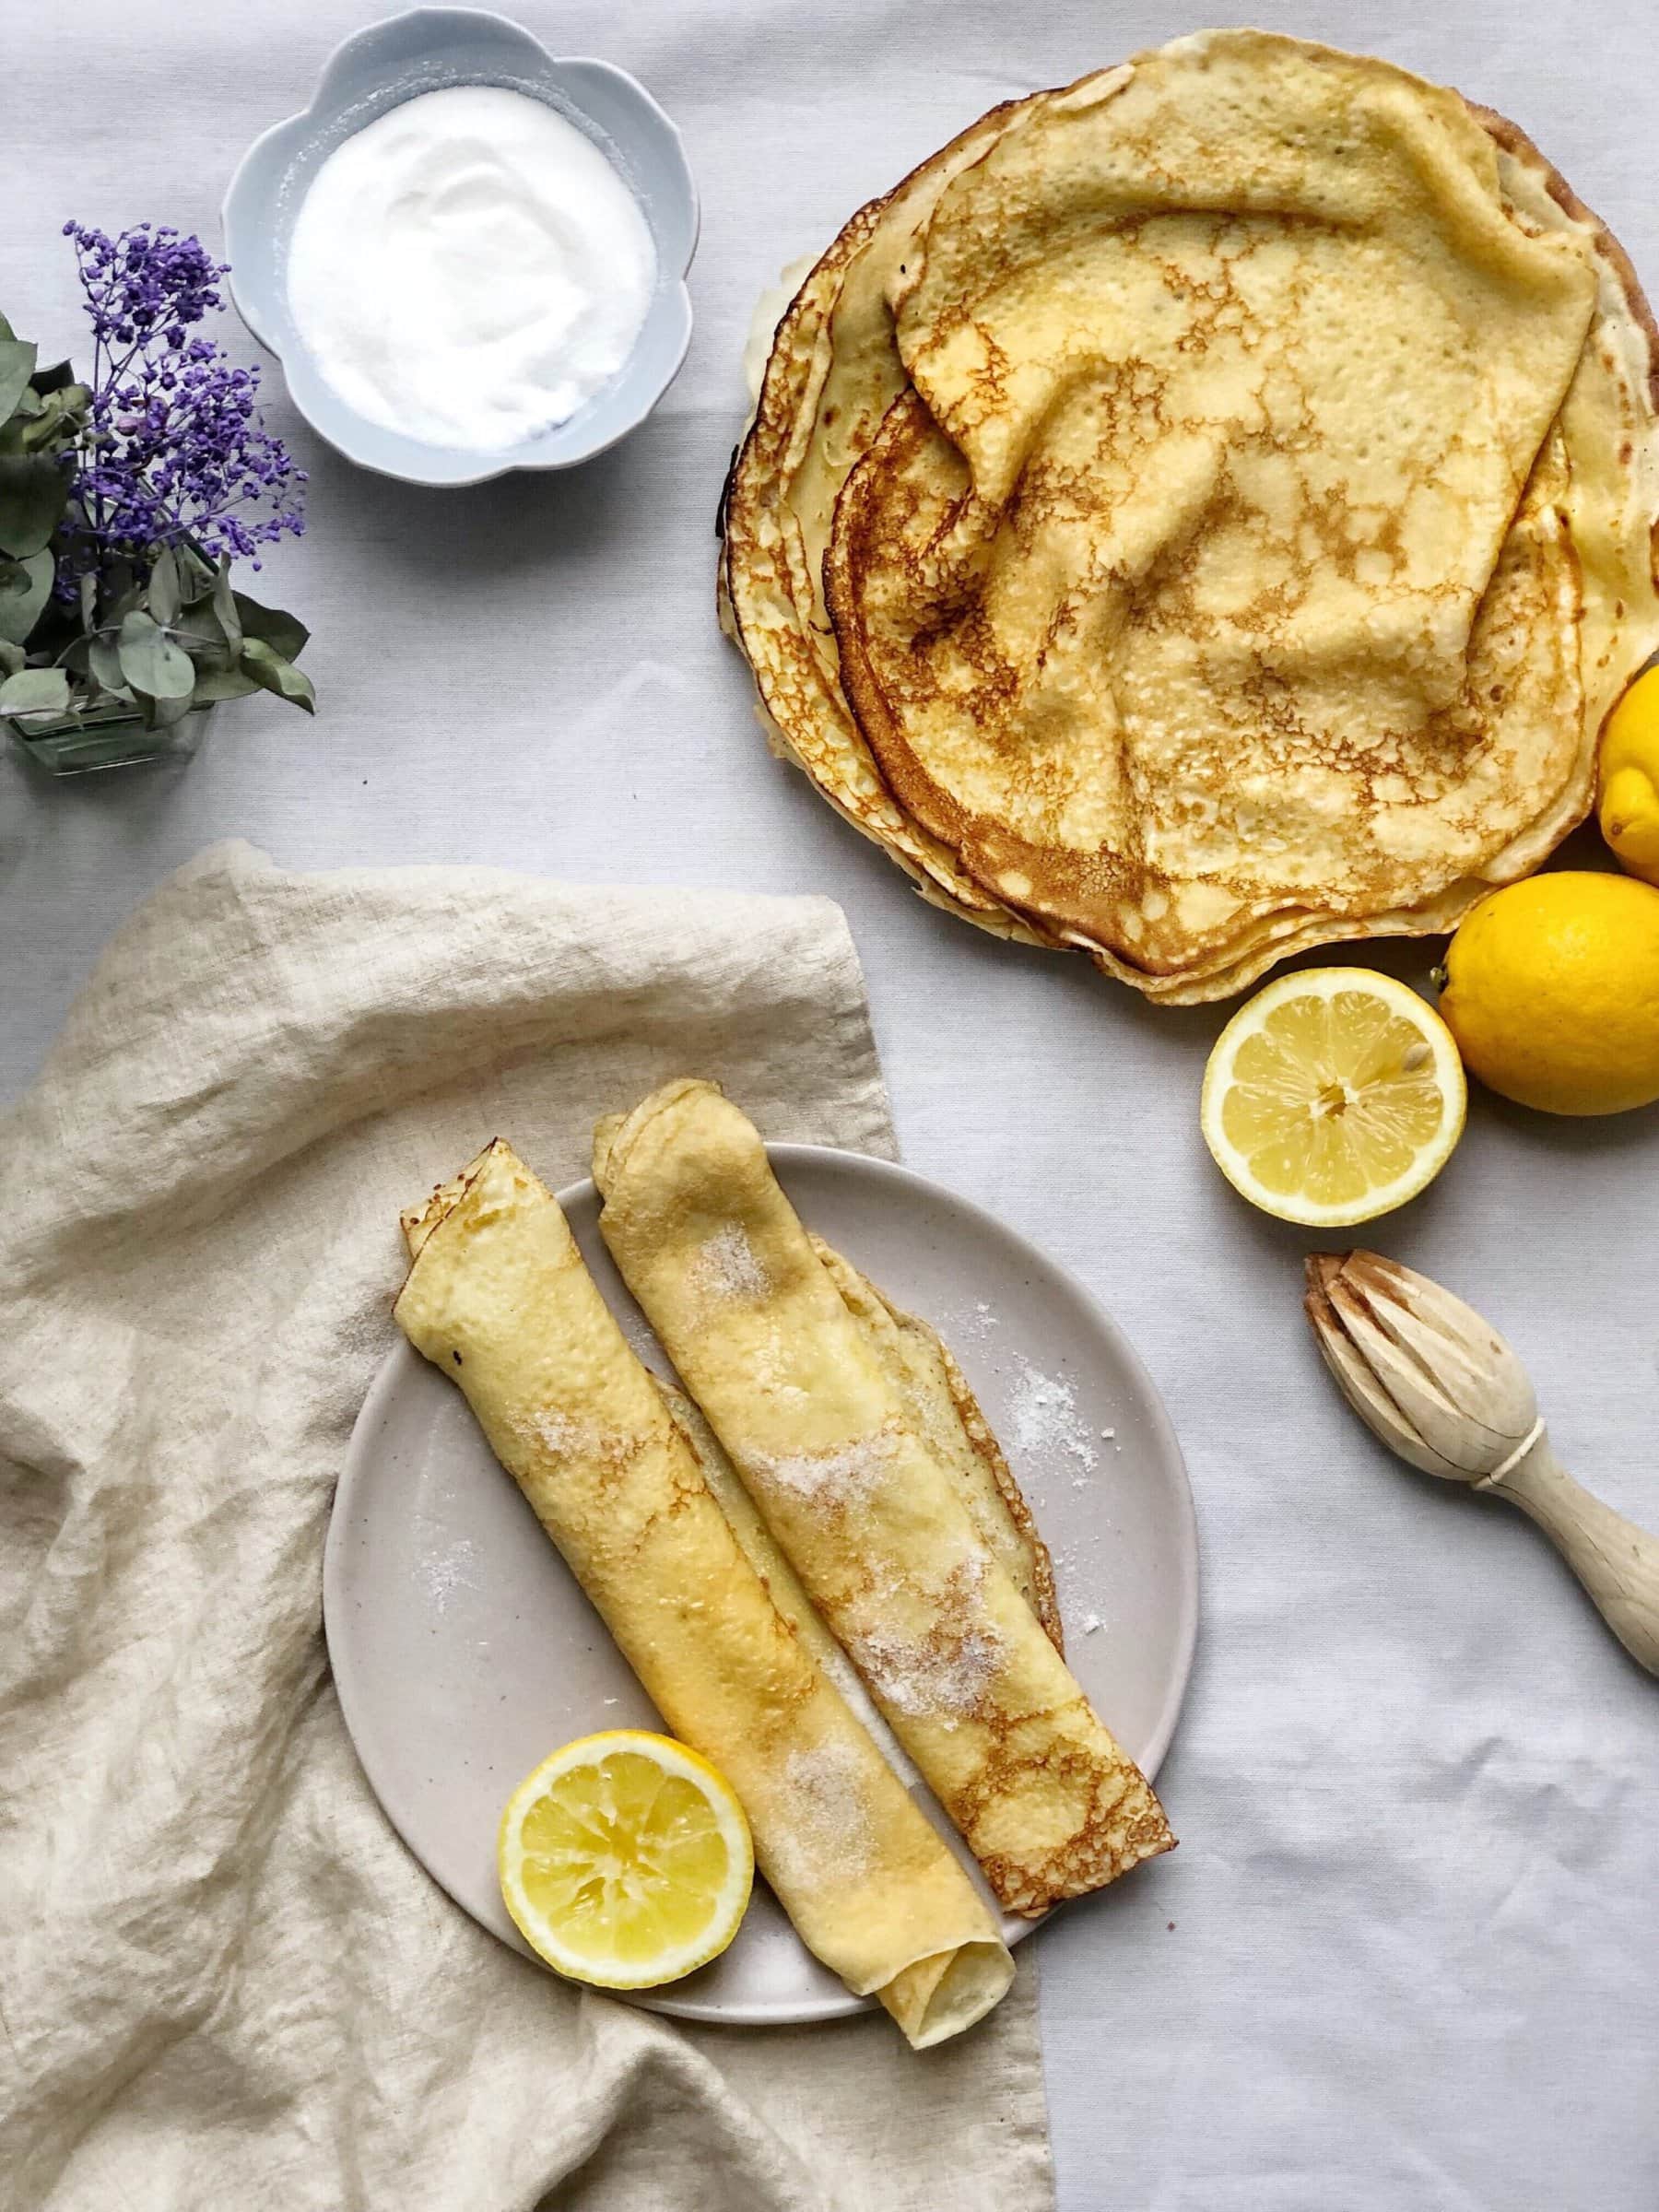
x,y
837,1498
1206,511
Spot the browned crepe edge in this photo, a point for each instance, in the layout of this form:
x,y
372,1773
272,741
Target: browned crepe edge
x,y
1282,935
1045,1603
982,1438
1272,935
418,1223
1516,142
762,450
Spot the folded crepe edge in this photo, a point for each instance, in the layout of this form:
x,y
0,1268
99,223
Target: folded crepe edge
x,y
417,1222
937,1997
982,1438
616,1135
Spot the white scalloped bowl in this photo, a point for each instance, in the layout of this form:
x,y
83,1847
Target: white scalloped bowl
x,y
426,50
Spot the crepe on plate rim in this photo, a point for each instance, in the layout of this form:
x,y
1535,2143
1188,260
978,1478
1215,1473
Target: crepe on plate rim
x,y
613,1473
958,1665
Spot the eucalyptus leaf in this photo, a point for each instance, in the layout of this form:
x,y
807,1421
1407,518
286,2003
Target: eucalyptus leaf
x,y
16,366
272,673
150,662
5,329
33,493
202,634
162,714
283,633
165,597
25,587
58,377
195,571
35,691
52,429
89,601
223,683
12,657
224,606
104,664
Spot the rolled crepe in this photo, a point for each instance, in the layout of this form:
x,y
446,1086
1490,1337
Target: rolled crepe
x,y
871,1522
499,1297
942,1410
782,1584
945,1414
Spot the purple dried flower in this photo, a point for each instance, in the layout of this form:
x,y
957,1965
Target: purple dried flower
x,y
174,446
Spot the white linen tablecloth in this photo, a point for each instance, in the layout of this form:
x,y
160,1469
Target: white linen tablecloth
x,y
1415,1912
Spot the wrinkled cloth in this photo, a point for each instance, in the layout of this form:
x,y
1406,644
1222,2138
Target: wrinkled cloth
x,y
225,1981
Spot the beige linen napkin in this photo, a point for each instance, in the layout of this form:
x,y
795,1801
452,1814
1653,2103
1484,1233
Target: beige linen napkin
x,y
223,1979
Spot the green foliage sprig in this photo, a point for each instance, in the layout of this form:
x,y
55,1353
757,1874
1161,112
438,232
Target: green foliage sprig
x,y
123,503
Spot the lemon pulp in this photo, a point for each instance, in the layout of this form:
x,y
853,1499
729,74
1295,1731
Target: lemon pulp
x,y
1333,1096
625,1860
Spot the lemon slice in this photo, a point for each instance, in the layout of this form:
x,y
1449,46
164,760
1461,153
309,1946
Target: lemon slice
x,y
1333,1097
625,1860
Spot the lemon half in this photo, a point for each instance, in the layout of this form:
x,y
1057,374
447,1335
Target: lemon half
x,y
625,1860
1333,1096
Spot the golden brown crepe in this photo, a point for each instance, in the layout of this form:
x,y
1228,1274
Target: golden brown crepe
x,y
1207,511
498,1298
945,1414
833,371
782,1584
873,1524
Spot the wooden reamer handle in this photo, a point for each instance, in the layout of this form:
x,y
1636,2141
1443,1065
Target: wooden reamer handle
x,y
1617,1561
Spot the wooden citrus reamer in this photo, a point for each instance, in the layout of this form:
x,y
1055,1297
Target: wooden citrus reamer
x,y
1442,1388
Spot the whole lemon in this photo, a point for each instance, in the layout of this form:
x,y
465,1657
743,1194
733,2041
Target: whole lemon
x,y
1552,993
1629,771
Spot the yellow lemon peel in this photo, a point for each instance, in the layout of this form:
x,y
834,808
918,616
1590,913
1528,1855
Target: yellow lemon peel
x,y
1628,803
1552,993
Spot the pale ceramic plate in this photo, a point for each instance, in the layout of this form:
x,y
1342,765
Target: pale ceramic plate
x,y
464,1650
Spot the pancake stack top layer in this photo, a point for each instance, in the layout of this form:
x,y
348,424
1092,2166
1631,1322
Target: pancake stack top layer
x,y
1206,511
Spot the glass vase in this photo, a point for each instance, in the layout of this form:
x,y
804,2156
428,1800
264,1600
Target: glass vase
x,y
111,737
